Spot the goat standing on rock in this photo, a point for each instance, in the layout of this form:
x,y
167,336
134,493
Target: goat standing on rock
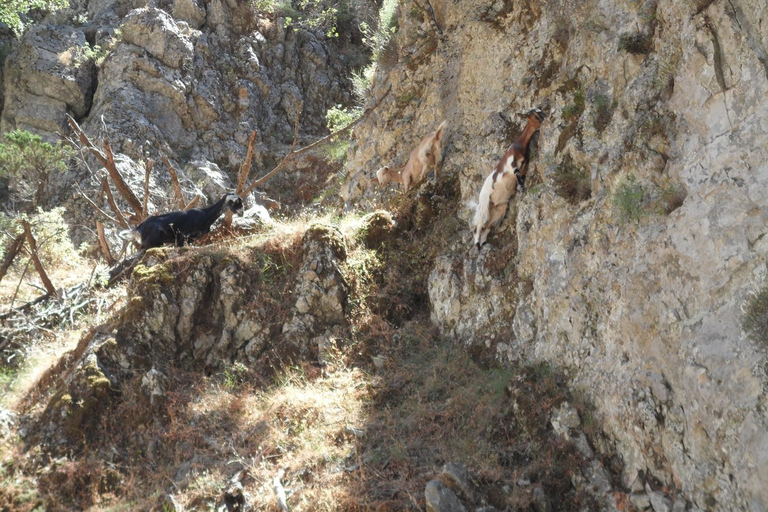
x,y
183,226
501,184
429,153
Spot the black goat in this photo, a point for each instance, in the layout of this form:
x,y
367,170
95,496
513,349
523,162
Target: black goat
x,y
184,226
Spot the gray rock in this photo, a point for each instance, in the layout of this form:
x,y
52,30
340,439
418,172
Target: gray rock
x,y
660,502
541,502
565,418
680,504
458,478
640,501
439,498
7,421
50,75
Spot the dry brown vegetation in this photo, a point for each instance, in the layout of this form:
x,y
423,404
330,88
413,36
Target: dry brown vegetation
x,y
350,435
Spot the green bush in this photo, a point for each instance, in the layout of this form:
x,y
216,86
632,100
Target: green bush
x,y
628,199
29,162
10,12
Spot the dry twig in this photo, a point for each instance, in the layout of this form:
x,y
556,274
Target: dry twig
x,y
32,249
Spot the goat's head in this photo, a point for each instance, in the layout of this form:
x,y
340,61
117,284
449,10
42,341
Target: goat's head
x,y
234,203
535,117
382,176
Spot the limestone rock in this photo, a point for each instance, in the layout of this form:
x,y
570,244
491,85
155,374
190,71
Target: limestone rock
x,y
458,478
441,499
643,315
49,76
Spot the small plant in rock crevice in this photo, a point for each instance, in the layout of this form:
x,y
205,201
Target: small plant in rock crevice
x,y
628,199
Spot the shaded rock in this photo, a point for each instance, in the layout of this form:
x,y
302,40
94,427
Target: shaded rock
x,y
376,228
154,385
458,478
640,501
660,502
541,502
320,288
439,498
564,418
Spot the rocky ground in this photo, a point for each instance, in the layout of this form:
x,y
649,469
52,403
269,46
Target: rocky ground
x,y
599,353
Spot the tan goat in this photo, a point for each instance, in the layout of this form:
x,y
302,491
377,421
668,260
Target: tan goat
x,y
429,153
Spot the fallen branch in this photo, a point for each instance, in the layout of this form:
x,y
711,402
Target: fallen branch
x,y
124,268
10,254
32,249
103,243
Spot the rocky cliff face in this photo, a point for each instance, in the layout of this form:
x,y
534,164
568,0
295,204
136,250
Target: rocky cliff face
x,y
631,255
186,78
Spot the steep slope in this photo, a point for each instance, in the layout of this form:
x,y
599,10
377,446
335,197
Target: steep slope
x,y
630,259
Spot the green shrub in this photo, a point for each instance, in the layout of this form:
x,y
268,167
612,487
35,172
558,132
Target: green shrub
x,y
628,199
29,162
10,12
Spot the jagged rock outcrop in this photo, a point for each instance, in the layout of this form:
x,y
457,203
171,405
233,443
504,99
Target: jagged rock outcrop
x,y
51,74
200,310
320,289
184,78
643,230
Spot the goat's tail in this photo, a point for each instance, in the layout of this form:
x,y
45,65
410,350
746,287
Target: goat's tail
x,y
439,131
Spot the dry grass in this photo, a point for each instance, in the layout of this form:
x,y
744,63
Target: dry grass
x,y
349,440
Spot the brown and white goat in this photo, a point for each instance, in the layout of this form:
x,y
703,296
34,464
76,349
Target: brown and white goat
x,y
501,185
429,153
516,157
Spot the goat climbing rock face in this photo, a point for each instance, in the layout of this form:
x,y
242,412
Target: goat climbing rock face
x,y
501,185
185,226
428,154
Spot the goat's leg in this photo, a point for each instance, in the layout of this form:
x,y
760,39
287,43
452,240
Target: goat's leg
x,y
437,151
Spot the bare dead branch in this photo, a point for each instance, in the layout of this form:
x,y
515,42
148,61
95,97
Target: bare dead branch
x,y
32,250
111,200
175,183
108,162
120,184
103,243
192,203
85,141
10,254
100,211
148,169
245,169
